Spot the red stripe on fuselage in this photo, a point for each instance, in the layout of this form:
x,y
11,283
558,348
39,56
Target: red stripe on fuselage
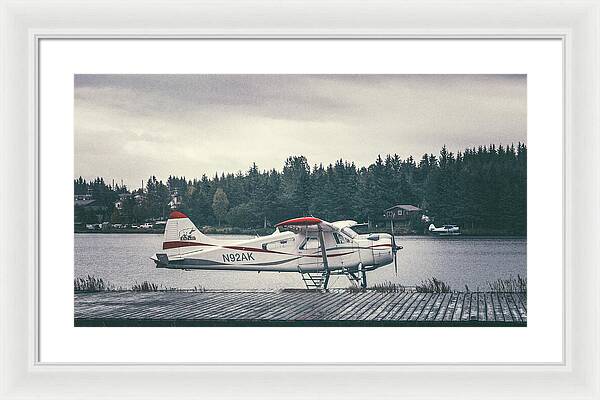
x,y
258,250
328,255
177,243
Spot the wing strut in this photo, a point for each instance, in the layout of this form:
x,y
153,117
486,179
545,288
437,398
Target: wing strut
x,y
324,254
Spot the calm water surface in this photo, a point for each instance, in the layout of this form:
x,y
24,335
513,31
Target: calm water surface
x,y
124,259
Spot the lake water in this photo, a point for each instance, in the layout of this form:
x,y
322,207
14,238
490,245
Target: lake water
x,y
124,259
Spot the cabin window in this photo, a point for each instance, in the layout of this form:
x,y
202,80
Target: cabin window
x,y
280,244
340,239
310,243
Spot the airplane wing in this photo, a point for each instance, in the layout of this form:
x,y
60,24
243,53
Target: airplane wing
x,y
339,225
307,224
312,224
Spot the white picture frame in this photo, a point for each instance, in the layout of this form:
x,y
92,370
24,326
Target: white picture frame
x,y
23,24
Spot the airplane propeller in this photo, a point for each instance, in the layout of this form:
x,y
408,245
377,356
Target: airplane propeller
x,y
395,249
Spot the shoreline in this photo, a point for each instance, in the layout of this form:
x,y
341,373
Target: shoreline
x,y
268,232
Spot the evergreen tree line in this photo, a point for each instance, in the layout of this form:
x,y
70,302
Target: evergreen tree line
x,y
481,189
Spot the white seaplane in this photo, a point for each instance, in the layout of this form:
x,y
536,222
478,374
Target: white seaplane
x,y
445,230
310,246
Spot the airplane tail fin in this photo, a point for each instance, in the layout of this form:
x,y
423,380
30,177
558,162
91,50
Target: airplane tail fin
x,y
431,227
181,229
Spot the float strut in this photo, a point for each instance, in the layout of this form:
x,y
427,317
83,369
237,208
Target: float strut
x,y
363,275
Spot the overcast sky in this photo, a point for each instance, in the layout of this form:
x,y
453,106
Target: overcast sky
x,y
132,126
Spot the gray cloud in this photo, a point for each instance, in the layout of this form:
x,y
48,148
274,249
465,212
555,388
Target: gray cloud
x,y
131,126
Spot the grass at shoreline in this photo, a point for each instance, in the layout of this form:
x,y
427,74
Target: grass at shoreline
x,y
91,284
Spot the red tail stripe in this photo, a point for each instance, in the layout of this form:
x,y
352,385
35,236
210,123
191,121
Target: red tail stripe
x,y
176,215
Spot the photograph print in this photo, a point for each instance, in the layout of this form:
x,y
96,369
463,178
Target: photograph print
x,y
300,200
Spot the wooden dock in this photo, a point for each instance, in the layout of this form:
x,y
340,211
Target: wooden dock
x,y
300,308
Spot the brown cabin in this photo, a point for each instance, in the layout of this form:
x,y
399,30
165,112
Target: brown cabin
x,y
401,212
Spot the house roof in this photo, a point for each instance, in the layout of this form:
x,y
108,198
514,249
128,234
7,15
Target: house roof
x,y
406,207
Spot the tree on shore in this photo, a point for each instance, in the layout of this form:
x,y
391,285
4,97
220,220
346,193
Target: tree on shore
x,y
482,189
220,204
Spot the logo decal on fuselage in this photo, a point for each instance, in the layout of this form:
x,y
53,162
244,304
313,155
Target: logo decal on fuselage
x,y
186,234
237,257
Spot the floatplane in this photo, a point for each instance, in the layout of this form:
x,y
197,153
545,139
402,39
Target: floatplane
x,y
445,230
315,248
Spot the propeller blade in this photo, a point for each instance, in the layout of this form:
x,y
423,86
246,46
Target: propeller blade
x,y
394,251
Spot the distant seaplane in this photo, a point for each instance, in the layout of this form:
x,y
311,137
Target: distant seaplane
x,y
445,230
310,246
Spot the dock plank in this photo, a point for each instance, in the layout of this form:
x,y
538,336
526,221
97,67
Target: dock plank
x,y
349,307
443,307
520,307
460,301
312,308
282,304
423,308
313,303
383,304
499,315
512,306
451,307
364,302
489,308
474,311
505,308
481,310
435,307
373,306
343,306
468,302
395,304
523,297
404,313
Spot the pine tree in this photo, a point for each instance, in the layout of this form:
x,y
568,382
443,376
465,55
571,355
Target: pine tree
x,y
220,204
483,189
